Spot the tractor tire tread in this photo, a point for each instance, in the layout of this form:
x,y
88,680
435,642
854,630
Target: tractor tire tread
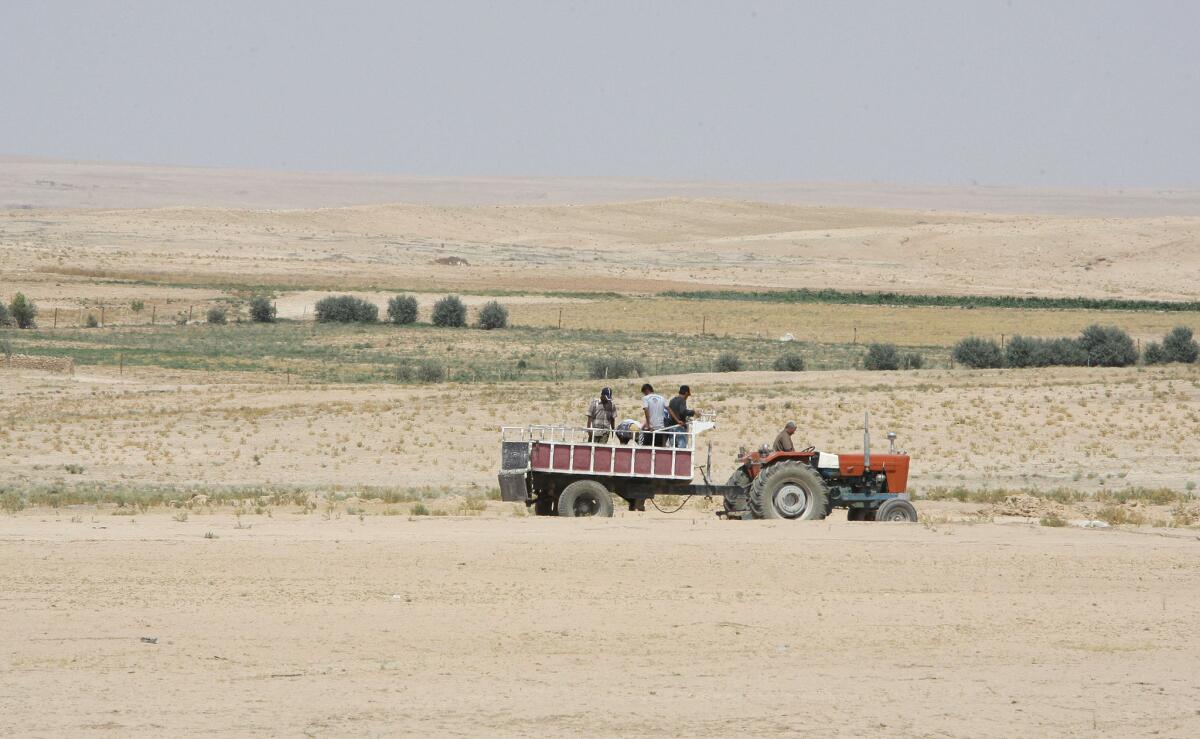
x,y
757,500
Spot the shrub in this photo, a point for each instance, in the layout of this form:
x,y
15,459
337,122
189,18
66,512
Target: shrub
x,y
91,321
137,306
615,367
1061,352
449,312
1022,351
881,357
1053,520
23,311
493,315
728,362
912,361
1154,354
431,371
216,314
1179,346
402,309
262,310
789,362
1107,346
345,309
978,353
5,316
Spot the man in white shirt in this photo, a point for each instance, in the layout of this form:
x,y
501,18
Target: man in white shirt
x,y
655,408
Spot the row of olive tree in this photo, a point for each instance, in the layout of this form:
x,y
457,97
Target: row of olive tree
x,y
449,312
1096,346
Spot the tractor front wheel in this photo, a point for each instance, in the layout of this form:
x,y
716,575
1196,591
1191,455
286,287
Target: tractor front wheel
x,y
896,510
585,498
791,490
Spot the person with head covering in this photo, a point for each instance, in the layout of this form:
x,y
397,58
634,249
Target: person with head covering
x,y
629,430
783,442
601,416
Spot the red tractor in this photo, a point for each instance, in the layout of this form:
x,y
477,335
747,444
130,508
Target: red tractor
x,y
564,471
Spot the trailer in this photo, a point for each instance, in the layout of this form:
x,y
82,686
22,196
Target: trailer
x,y
573,471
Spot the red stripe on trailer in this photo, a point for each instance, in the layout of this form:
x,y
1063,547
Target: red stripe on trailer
x,y
642,461
663,464
624,461
604,458
561,457
581,459
683,464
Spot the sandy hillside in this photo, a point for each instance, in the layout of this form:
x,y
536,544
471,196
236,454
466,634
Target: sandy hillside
x,y
33,182
640,246
634,626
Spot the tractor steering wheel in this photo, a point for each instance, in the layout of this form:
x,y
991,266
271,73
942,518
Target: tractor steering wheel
x,y
808,449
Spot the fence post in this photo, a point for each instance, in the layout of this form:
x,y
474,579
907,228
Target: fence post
x,y
56,318
703,325
189,314
153,313
855,334
560,317
102,316
122,360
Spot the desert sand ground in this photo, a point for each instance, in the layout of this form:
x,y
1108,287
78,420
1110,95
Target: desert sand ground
x,y
632,626
1084,429
62,240
325,557
640,246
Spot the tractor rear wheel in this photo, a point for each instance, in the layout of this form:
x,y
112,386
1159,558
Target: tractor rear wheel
x,y
585,498
897,510
791,490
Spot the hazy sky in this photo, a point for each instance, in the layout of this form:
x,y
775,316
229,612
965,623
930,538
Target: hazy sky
x,y
1027,92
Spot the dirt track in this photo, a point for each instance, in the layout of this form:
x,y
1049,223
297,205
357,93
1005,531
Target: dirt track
x,y
631,626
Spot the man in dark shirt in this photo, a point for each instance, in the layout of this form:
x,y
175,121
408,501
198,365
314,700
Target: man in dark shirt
x,y
783,442
680,415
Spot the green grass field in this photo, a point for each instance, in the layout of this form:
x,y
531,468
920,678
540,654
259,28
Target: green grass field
x,y
382,352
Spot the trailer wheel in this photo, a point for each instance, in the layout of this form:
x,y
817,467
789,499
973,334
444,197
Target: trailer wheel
x,y
585,498
791,490
897,510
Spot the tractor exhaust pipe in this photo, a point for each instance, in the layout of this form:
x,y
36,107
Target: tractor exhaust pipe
x,y
866,441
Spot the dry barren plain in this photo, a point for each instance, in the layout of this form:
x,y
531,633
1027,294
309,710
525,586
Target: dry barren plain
x,y
279,529
631,626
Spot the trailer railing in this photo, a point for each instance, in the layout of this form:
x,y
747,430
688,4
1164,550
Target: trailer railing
x,y
675,437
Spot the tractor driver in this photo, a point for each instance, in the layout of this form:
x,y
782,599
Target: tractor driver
x,y
783,442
